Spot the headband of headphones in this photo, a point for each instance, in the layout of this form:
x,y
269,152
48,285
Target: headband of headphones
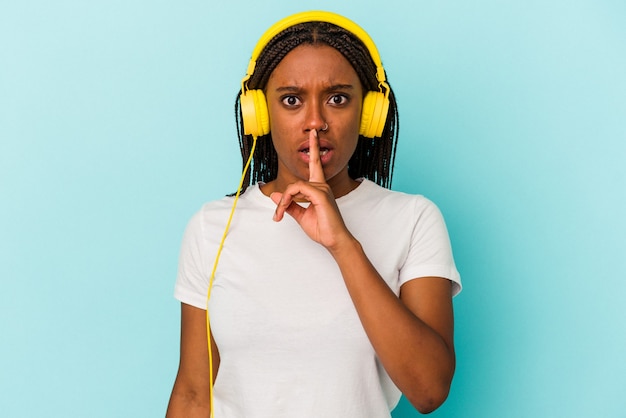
x,y
317,16
375,104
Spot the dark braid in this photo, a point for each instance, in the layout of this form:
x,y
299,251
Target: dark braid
x,y
373,157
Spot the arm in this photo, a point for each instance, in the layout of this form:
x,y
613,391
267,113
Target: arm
x,y
413,334
190,395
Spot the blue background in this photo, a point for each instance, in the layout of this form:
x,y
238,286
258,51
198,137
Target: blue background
x,y
116,124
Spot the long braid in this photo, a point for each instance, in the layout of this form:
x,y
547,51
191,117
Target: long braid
x,y
373,158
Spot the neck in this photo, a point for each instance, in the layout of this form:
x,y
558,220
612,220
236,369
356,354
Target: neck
x,y
340,186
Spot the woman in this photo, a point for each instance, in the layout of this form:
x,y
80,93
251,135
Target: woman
x,y
333,294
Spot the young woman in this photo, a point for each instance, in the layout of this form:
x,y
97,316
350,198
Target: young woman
x,y
333,294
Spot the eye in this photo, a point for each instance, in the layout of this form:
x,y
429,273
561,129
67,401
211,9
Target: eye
x,y
338,99
290,101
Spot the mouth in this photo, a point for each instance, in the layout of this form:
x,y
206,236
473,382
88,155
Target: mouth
x,y
323,151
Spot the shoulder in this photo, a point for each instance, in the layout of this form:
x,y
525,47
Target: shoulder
x,y
250,197
215,214
370,193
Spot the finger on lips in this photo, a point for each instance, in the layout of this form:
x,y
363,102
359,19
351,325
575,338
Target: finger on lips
x,y
301,190
316,171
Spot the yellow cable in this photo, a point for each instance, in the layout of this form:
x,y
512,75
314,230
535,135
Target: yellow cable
x,y
217,257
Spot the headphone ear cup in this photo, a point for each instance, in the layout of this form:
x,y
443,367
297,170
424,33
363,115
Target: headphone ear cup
x,y
256,118
374,114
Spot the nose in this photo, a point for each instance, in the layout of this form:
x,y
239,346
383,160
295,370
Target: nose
x,y
314,117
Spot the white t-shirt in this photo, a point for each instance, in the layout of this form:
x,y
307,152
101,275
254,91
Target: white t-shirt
x,y
290,341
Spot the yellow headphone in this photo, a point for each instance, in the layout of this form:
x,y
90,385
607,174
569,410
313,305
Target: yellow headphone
x,y
256,120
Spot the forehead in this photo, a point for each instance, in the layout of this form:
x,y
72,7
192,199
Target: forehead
x,y
314,62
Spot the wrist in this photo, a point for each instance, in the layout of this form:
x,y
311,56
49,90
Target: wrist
x,y
345,249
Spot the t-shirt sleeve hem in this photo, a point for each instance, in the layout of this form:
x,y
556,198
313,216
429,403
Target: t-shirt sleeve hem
x,y
189,297
446,272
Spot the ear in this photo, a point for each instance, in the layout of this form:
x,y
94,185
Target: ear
x,y
256,118
374,114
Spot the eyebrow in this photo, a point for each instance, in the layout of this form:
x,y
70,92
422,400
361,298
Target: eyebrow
x,y
334,87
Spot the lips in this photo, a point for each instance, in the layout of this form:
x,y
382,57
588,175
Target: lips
x,y
326,151
323,151
325,147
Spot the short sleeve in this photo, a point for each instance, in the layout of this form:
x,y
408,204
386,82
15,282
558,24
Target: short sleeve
x,y
430,251
192,280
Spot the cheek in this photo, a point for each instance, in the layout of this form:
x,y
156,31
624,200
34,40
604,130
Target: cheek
x,y
356,117
279,124
354,122
280,135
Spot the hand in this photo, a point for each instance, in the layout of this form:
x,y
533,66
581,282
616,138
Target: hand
x,y
321,220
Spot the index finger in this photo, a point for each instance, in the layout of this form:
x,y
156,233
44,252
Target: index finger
x,y
316,171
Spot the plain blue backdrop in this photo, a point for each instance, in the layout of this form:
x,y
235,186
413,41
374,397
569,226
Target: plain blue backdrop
x,y
116,124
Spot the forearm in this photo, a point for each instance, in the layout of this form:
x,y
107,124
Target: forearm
x,y
186,403
416,357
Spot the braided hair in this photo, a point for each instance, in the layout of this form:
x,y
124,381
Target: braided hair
x,y
373,158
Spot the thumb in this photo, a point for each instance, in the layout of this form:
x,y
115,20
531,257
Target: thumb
x,y
278,213
276,196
